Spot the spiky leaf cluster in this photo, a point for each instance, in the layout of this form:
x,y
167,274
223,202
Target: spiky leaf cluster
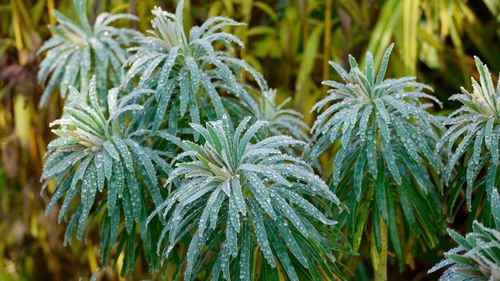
x,y
473,134
78,50
236,195
187,70
95,152
477,256
281,121
383,140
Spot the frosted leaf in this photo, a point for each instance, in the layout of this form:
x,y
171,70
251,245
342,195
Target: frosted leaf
x,y
291,243
214,211
150,68
245,254
64,187
238,194
212,93
89,189
185,92
234,215
164,97
473,163
371,151
289,213
264,172
127,211
108,165
193,252
283,257
305,205
390,158
256,75
112,100
145,159
125,153
261,194
111,150
406,140
383,128
261,235
135,195
137,65
68,199
338,166
99,165
458,152
231,242
194,73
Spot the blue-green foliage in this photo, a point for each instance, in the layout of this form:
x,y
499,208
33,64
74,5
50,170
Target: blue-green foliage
x,y
473,137
383,139
237,193
188,72
95,152
281,121
78,50
477,256
239,199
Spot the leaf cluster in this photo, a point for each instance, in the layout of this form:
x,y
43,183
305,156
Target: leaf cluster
x,y
383,139
78,50
239,193
96,152
188,71
473,135
477,256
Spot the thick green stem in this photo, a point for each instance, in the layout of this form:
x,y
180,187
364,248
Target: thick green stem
x,y
379,259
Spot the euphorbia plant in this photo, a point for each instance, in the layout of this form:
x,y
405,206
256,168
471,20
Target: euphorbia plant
x,y
473,138
245,200
383,139
80,49
99,151
188,71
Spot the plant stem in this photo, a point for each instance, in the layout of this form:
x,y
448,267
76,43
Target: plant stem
x,y
379,259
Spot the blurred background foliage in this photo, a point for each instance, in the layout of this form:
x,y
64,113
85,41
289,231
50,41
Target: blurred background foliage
x,y
289,41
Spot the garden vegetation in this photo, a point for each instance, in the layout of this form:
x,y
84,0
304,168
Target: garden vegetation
x,y
178,154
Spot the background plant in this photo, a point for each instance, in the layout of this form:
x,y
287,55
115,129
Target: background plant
x,y
79,49
383,139
282,121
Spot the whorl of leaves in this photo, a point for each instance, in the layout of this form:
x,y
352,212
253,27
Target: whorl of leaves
x,y
94,153
385,140
477,256
182,67
78,50
474,132
237,194
281,121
